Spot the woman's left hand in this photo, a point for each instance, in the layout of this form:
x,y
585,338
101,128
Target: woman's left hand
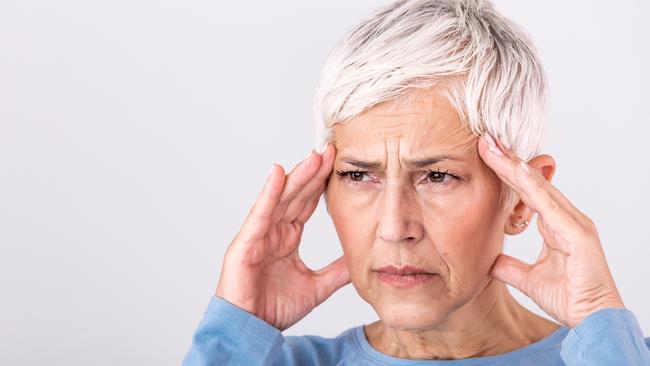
x,y
570,279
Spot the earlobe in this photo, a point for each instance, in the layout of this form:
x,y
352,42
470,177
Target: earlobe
x,y
516,227
521,215
519,219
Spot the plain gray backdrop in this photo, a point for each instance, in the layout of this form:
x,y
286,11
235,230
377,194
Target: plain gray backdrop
x,y
135,135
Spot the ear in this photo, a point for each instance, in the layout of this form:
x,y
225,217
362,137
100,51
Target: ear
x,y
520,213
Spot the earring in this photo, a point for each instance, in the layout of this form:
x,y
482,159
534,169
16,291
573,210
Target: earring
x,y
520,225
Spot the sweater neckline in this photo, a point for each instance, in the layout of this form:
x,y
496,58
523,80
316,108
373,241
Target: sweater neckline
x,y
501,359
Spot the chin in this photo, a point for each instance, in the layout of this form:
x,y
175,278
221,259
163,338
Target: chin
x,y
410,315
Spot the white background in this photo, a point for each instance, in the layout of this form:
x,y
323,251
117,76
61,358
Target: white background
x,y
135,135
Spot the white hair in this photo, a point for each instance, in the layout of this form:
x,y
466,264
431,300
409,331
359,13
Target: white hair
x,y
481,62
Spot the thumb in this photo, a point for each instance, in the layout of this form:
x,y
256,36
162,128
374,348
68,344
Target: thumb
x,y
511,271
331,278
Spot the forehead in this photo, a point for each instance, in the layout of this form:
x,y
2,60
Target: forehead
x,y
421,121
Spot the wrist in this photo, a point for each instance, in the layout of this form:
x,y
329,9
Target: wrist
x,y
609,303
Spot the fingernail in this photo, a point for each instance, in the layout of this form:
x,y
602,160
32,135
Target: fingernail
x,y
525,166
492,146
322,151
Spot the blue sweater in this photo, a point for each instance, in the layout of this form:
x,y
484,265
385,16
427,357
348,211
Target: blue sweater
x,y
228,335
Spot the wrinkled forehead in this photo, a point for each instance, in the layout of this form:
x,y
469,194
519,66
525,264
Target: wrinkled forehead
x,y
422,122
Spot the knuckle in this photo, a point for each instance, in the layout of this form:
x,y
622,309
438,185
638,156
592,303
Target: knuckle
x,y
539,185
302,199
554,204
589,224
585,231
299,222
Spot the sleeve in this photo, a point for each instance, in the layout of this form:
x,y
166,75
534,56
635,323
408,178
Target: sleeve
x,y
607,337
229,335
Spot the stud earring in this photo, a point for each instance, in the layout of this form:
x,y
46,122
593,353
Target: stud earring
x,y
520,225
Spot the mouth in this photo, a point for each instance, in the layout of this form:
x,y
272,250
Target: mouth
x,y
404,277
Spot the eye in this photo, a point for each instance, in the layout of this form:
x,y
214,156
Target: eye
x,y
434,176
439,177
353,175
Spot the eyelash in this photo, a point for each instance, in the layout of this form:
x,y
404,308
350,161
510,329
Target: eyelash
x,y
346,174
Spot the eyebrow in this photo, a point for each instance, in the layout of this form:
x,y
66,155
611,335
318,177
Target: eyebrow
x,y
373,165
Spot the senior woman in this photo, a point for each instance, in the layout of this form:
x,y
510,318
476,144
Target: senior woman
x,y
430,116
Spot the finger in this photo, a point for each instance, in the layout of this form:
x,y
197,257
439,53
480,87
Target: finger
x,y
537,178
313,189
532,189
511,270
296,181
551,237
309,208
331,278
260,215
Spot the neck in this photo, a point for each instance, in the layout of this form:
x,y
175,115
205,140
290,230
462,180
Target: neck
x,y
492,323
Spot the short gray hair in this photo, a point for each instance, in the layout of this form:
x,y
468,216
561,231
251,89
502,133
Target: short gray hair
x,y
482,62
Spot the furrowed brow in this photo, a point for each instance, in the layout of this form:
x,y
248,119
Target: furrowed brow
x,y
367,165
418,163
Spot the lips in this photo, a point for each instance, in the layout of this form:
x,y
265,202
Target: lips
x,y
405,277
406,270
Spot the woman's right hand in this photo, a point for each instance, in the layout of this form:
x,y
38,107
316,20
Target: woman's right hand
x,y
262,272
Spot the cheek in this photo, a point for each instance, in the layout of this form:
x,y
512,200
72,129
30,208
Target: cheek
x,y
468,232
353,227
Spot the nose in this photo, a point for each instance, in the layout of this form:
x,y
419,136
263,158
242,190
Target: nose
x,y
399,215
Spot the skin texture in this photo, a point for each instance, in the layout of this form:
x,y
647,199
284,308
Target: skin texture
x,y
398,214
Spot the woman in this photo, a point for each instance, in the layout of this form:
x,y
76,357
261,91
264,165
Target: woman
x,y
431,114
